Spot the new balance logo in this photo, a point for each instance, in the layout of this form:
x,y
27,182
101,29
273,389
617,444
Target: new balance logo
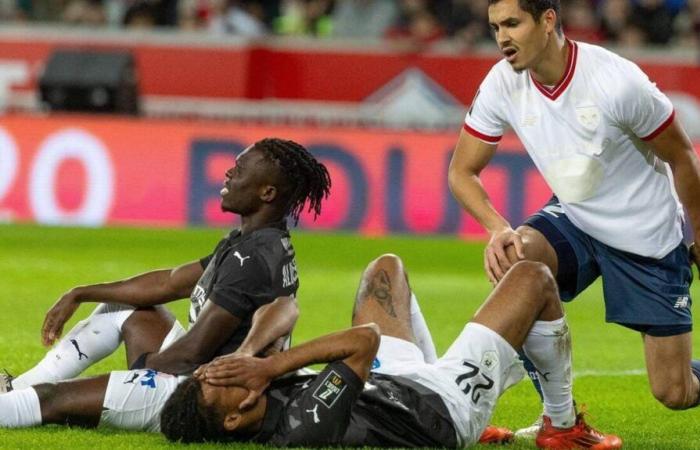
x,y
315,413
681,302
81,355
240,257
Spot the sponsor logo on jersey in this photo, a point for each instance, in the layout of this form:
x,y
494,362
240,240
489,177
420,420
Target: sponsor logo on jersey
x,y
149,379
289,274
240,257
682,302
330,389
314,411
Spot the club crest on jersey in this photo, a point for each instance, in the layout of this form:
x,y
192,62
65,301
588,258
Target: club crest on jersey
x,y
330,389
489,361
588,116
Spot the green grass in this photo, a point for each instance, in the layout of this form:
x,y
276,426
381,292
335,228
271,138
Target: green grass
x,y
38,264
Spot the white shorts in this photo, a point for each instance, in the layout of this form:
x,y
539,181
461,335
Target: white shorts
x,y
477,368
135,398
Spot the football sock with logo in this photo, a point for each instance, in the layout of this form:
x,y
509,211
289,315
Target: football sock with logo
x,y
20,409
549,348
421,332
695,366
532,373
87,343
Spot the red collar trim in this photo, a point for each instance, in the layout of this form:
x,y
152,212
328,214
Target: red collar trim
x,y
556,91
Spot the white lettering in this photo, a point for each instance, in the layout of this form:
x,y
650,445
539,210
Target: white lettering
x,y
93,155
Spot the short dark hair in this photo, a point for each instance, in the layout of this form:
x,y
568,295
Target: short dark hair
x,y
186,419
303,179
537,7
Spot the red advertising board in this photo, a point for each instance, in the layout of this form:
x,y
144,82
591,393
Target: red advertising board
x,y
100,170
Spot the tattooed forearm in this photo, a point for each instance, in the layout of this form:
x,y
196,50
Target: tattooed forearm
x,y
380,289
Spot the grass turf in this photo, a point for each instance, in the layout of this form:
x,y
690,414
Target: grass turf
x,y
39,264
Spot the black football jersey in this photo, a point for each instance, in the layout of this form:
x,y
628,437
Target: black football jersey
x,y
244,273
335,408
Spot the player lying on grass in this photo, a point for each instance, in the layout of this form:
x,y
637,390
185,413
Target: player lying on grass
x,y
270,183
379,391
622,169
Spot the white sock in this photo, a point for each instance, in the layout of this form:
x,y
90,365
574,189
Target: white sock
x,y
20,409
421,332
88,342
549,348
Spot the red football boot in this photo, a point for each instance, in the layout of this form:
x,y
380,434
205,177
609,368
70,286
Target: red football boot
x,y
496,435
580,436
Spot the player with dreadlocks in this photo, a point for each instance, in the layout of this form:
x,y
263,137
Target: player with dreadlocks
x,y
249,278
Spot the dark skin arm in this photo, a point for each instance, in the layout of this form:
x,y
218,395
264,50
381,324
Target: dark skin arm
x,y
213,327
356,347
148,289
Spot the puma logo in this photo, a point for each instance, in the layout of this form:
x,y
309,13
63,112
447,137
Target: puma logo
x,y
543,375
240,257
315,413
134,376
80,354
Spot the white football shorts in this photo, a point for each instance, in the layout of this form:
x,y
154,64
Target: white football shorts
x,y
135,398
477,368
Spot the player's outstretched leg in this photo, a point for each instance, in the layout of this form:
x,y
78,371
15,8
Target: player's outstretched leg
x,y
76,402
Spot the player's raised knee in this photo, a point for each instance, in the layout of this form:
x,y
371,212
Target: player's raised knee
x,y
673,396
387,261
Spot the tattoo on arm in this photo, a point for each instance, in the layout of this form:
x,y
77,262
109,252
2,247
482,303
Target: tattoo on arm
x,y
380,289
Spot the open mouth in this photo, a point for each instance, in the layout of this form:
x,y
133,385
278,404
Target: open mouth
x,y
510,53
224,190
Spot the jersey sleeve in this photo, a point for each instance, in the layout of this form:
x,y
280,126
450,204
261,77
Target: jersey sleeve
x,y
242,288
484,119
641,107
322,411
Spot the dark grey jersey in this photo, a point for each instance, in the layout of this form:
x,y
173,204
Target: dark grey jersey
x,y
335,408
244,273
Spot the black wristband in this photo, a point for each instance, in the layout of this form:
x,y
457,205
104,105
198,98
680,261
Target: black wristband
x,y
140,362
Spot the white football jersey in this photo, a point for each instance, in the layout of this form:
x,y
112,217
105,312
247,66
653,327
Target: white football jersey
x,y
586,135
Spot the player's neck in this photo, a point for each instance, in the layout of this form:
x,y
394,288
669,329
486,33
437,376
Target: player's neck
x,y
261,219
550,67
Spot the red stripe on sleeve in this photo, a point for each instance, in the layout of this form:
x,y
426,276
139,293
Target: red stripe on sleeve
x,y
482,136
661,128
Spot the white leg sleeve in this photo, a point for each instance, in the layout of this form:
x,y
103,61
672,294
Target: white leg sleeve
x,y
421,332
88,342
549,348
20,409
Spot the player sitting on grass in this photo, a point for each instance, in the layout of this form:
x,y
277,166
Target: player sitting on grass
x,y
270,183
380,391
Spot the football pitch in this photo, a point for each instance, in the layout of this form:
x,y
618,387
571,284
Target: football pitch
x,y
38,264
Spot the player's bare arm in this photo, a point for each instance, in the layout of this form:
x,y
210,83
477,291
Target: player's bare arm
x,y
144,290
468,160
673,146
356,347
213,328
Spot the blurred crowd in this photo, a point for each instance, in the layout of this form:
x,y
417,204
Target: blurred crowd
x,y
418,23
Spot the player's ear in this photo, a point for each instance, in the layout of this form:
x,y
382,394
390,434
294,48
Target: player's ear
x,y
268,193
232,421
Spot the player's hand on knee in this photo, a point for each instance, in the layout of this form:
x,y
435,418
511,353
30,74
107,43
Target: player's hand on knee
x,y
57,317
497,258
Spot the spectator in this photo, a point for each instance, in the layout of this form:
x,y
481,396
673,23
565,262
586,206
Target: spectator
x,y
85,12
363,18
241,18
417,25
306,17
654,20
580,22
469,24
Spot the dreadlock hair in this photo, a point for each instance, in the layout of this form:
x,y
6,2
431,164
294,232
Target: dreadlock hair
x,y
303,179
537,7
186,419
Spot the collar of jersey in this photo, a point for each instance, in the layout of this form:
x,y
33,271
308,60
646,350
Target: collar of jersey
x,y
554,92
273,414
235,234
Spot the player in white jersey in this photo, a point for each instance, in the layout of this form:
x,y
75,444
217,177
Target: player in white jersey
x,y
607,142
